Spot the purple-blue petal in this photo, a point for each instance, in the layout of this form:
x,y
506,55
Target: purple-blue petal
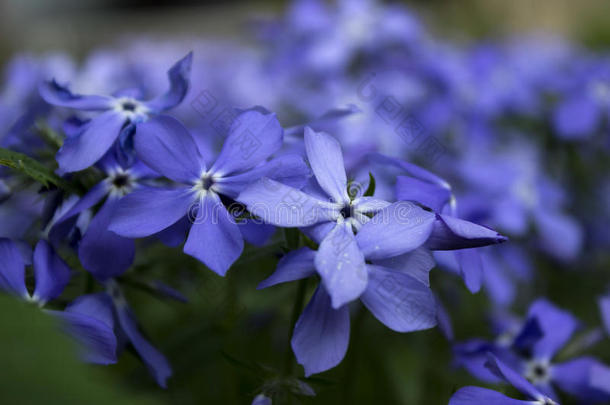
x,y
254,136
62,226
290,170
167,147
326,160
561,236
451,233
58,95
83,150
396,229
557,326
12,269
214,237
178,76
321,335
90,321
577,117
429,194
480,396
255,232
471,268
399,301
295,265
155,361
149,210
102,252
281,205
416,263
502,370
341,265
51,272
576,377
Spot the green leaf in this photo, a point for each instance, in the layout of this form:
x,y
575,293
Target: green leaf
x,y
370,191
31,168
40,365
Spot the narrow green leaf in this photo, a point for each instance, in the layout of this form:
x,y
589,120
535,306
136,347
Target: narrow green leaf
x,y
370,191
31,168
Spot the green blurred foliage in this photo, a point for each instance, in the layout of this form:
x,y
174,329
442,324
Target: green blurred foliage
x,y
40,364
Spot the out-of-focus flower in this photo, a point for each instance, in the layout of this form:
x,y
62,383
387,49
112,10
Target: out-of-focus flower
x,y
119,118
477,395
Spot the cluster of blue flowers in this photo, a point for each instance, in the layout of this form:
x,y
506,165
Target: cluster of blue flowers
x,y
380,153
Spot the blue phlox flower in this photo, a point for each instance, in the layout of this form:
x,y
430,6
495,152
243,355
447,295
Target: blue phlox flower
x,y
215,235
119,116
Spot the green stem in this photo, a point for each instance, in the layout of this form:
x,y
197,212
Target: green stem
x,y
351,361
297,308
89,283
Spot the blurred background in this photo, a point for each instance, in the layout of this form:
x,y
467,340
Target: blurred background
x,y
222,343
77,26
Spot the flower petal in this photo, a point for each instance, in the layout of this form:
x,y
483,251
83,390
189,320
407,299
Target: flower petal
x,y
214,238
149,210
295,265
155,361
411,169
577,117
62,225
175,235
500,369
429,194
478,396
89,319
58,95
321,335
561,236
255,135
340,263
178,76
471,268
290,170
83,150
399,301
281,205
12,269
255,232
51,272
397,229
576,377
557,326
166,146
451,233
102,252
416,264
326,160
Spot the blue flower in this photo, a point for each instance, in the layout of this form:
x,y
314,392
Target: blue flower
x,y
477,395
585,102
119,116
511,190
103,253
332,217
52,275
530,348
414,183
215,236
110,309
